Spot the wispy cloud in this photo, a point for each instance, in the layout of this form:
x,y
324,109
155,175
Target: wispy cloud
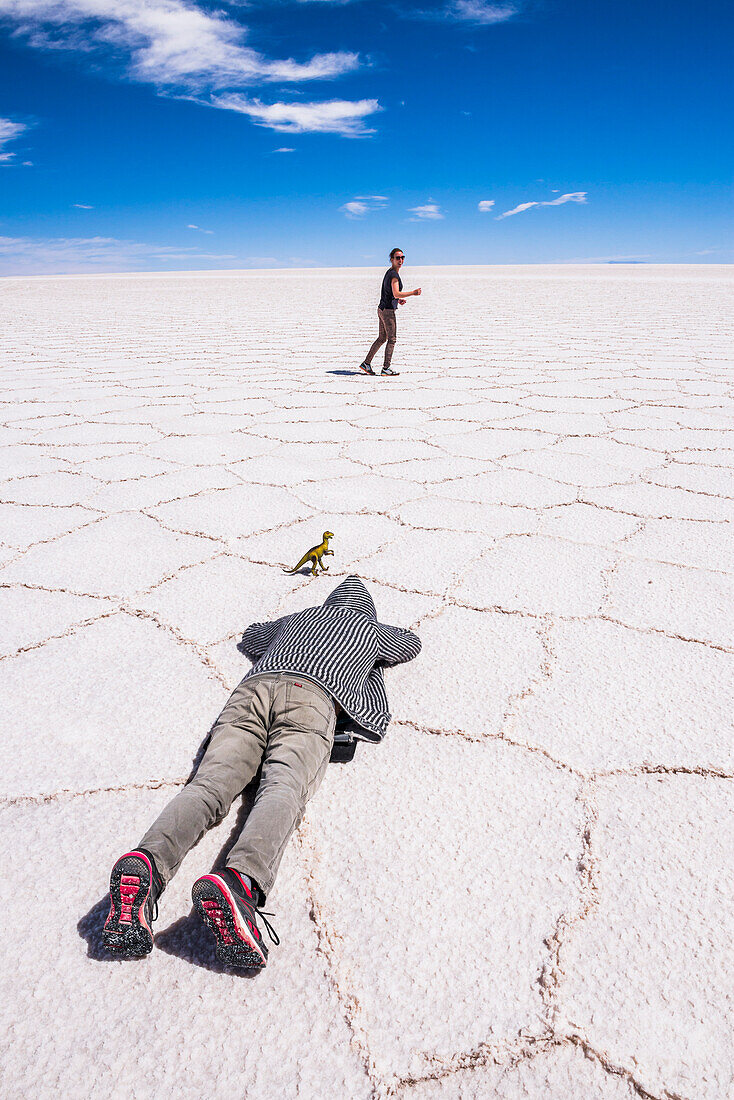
x,y
485,206
572,196
284,149
82,206
9,131
361,205
165,42
516,210
67,255
477,12
429,212
335,116
177,46
199,229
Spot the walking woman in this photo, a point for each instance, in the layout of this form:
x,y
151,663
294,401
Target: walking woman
x,y
391,297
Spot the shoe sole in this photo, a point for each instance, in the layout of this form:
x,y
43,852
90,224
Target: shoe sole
x,y
369,373
126,931
217,907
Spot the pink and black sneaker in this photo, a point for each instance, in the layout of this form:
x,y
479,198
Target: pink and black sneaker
x,y
226,904
135,887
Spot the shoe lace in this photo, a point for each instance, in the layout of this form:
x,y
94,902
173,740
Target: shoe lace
x,y
274,937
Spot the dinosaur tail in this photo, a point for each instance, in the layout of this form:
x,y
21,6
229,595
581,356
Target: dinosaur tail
x,y
295,568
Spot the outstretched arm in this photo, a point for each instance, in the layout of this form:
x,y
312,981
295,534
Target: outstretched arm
x,y
398,293
396,645
259,637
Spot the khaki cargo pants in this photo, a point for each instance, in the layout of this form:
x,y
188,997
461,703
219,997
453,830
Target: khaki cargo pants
x,y
280,721
388,335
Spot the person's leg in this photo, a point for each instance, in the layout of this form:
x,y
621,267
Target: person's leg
x,y
391,329
301,735
381,338
231,760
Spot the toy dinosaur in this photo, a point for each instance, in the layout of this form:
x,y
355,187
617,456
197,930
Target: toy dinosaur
x,y
314,555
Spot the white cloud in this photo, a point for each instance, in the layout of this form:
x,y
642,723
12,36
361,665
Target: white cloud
x,y
354,209
9,131
61,255
485,206
284,149
82,206
181,49
429,212
516,210
363,204
573,196
478,12
198,227
335,116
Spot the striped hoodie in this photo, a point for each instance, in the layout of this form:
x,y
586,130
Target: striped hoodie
x,y
341,646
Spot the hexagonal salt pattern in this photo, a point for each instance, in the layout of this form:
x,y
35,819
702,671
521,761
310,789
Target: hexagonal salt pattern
x,y
439,869
547,1071
115,701
174,1023
647,976
524,891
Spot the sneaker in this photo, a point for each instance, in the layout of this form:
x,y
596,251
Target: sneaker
x,y
389,372
227,906
135,887
366,368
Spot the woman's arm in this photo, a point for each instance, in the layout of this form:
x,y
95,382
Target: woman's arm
x,y
398,293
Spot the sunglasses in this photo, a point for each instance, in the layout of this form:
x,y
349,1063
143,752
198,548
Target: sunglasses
x,y
397,257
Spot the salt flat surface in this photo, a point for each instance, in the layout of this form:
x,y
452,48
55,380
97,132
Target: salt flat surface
x,y
525,891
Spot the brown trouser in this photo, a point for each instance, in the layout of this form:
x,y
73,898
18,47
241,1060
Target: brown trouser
x,y
277,719
388,332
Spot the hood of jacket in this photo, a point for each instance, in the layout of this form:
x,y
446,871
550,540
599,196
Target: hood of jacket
x,y
352,595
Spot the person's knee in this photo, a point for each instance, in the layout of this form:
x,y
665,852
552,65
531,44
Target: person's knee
x,y
288,789
214,795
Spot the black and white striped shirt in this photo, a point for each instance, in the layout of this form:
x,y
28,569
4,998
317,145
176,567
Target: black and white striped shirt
x,y
340,646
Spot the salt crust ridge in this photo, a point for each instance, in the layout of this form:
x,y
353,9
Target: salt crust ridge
x,y
524,891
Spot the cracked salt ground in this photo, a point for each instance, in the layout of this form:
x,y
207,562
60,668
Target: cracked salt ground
x,y
523,891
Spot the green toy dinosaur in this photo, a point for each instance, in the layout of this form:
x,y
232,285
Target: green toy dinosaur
x,y
314,555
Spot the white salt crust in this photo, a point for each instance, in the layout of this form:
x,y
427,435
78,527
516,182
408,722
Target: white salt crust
x,y
524,892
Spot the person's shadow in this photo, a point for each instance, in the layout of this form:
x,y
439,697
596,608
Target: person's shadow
x,y
345,372
188,937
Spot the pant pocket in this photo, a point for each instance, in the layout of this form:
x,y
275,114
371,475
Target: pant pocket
x,y
308,709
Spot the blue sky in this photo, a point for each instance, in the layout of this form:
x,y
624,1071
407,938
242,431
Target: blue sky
x,y
174,134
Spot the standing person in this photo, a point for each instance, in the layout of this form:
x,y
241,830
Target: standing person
x,y
311,670
391,297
